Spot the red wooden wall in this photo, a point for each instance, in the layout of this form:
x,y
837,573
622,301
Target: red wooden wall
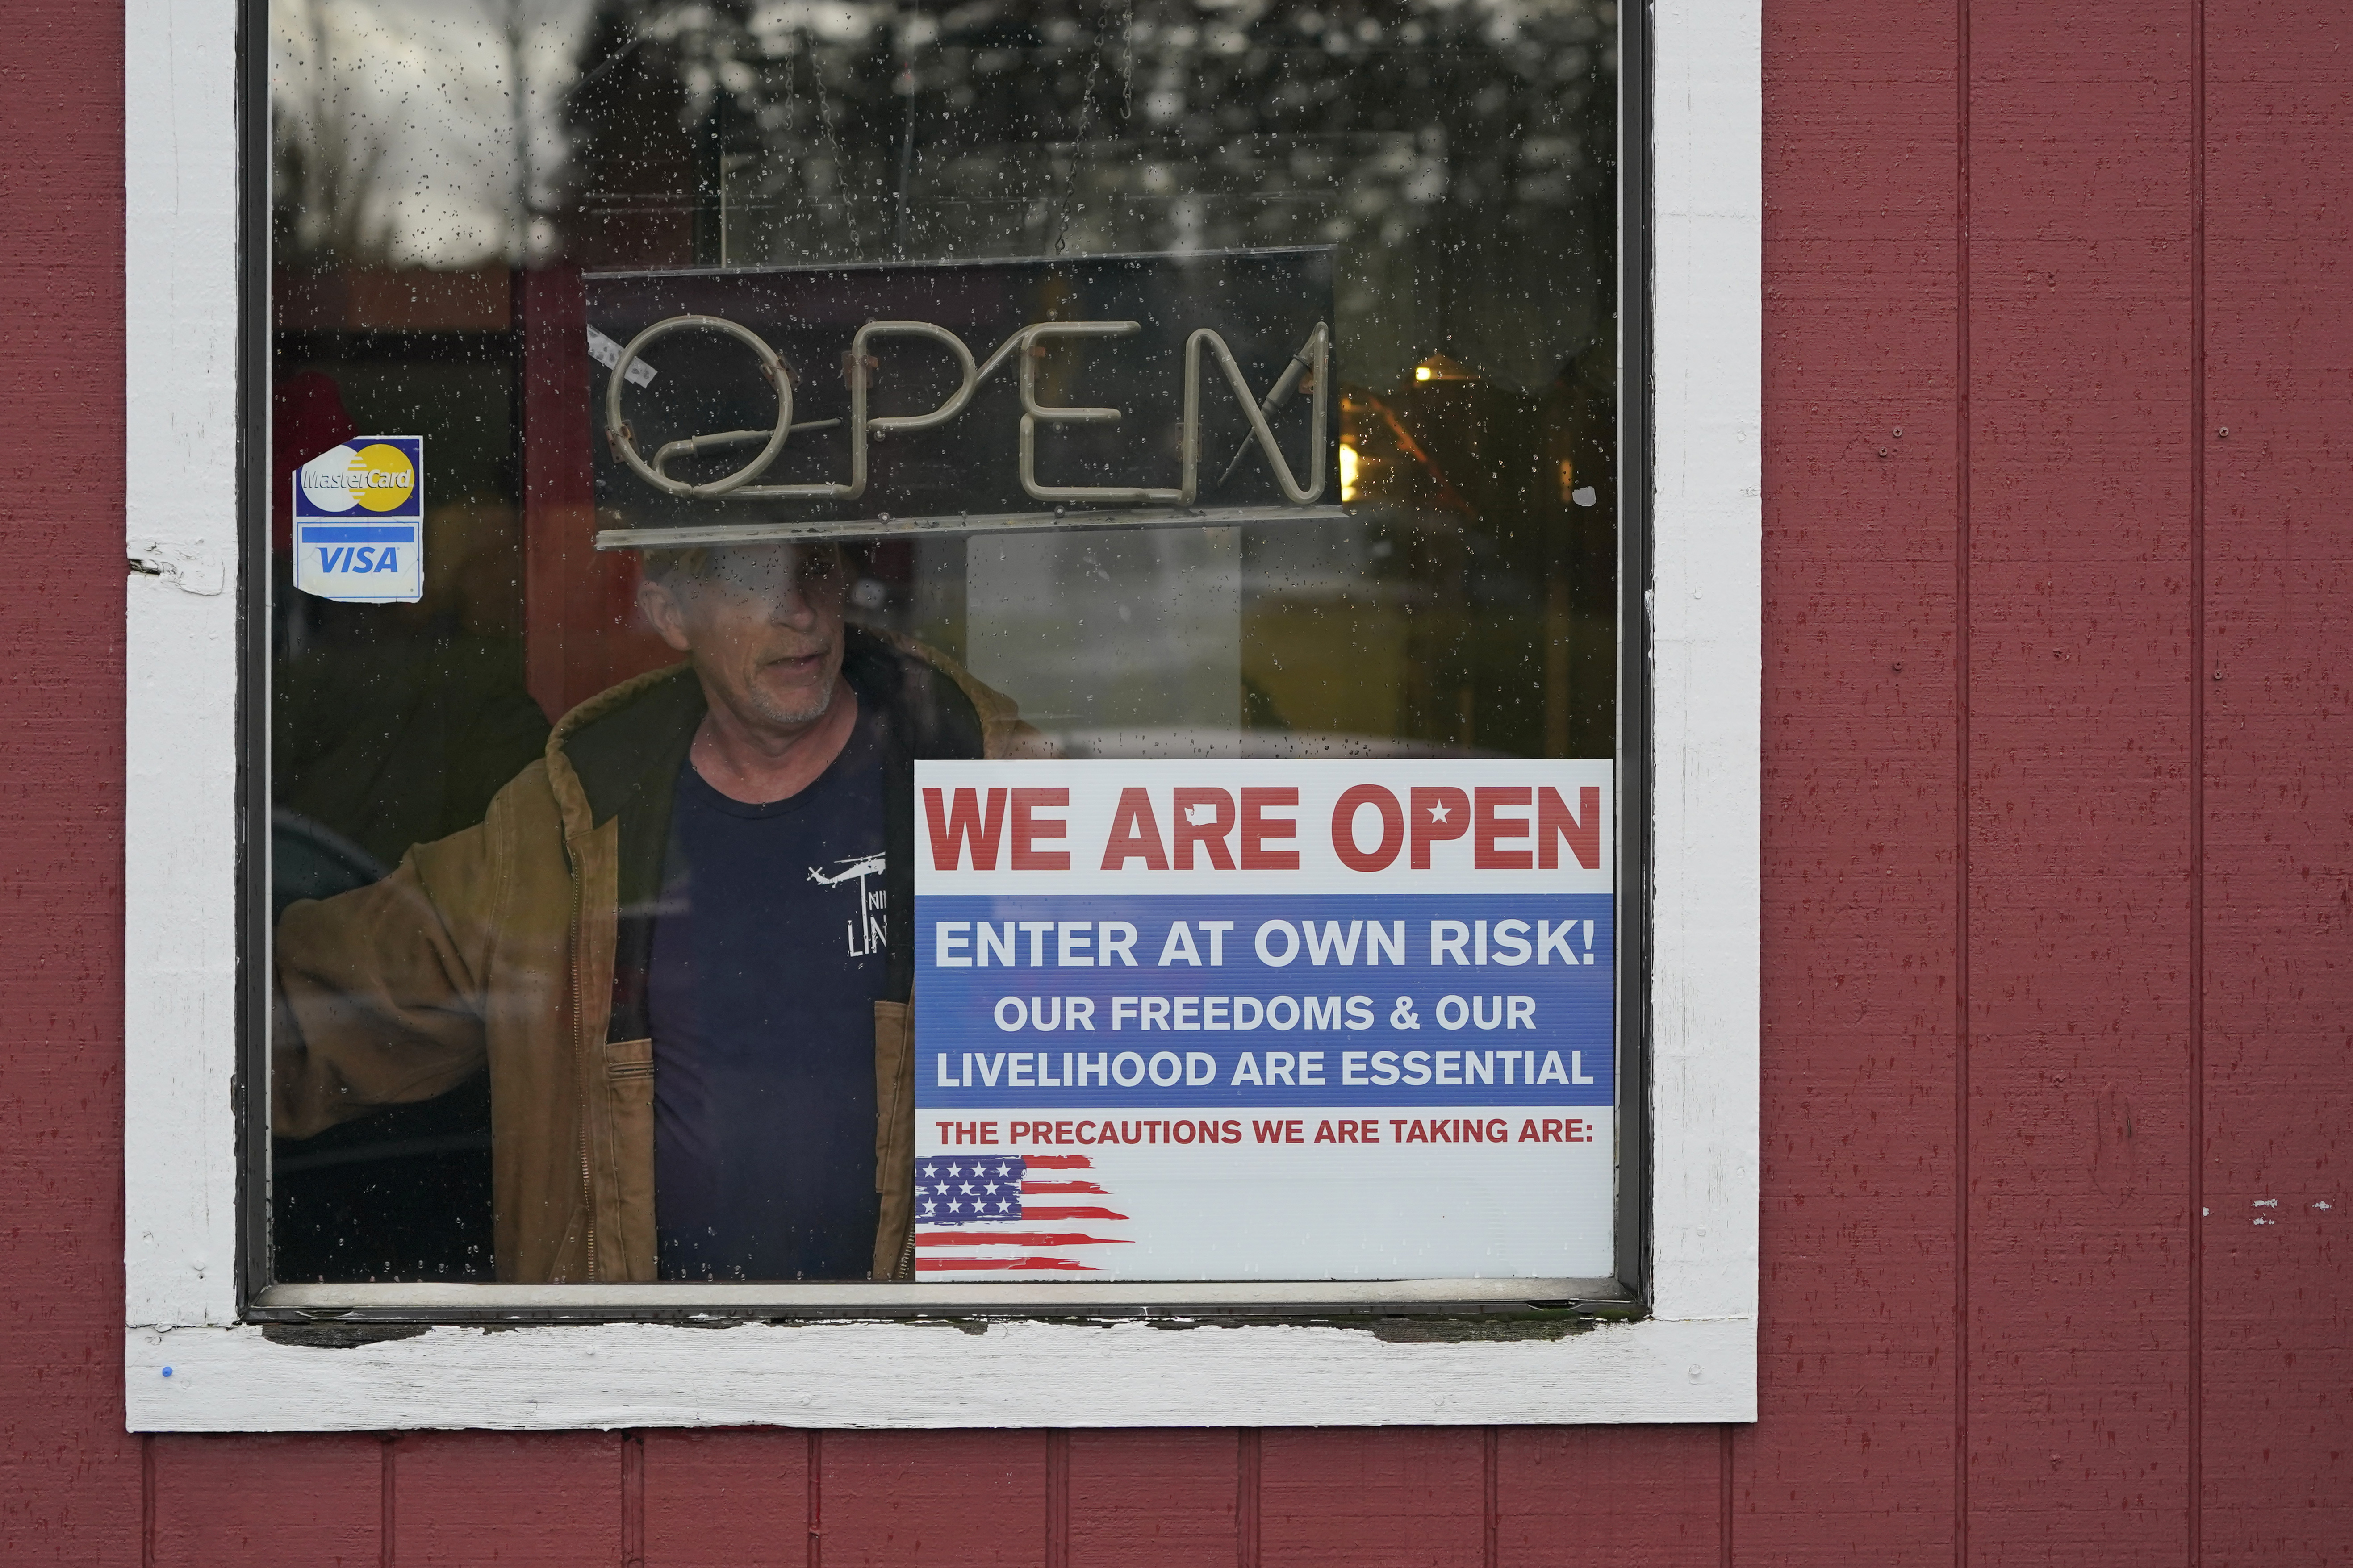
x,y
2058,884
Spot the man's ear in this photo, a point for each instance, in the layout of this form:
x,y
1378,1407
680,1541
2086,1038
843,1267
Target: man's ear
x,y
659,604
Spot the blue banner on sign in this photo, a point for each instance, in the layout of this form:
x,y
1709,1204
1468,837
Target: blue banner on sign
x,y
1331,1000
348,534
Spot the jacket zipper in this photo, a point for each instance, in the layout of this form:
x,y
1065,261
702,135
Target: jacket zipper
x,y
587,1187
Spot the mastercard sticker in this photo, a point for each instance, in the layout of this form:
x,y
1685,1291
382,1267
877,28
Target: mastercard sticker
x,y
359,522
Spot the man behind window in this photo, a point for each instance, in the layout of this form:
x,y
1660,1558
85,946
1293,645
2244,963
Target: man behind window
x,y
682,940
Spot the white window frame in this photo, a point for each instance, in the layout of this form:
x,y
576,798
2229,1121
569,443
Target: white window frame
x,y
189,1364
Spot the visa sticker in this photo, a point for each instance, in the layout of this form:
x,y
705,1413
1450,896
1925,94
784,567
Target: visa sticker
x,y
359,522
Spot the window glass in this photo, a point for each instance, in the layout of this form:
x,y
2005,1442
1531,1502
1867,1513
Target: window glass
x,y
703,564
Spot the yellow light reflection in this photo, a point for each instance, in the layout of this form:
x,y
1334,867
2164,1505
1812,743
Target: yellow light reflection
x,y
1423,372
1347,470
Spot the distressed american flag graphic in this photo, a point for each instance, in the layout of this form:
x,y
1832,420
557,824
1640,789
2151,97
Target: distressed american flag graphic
x,y
1010,1213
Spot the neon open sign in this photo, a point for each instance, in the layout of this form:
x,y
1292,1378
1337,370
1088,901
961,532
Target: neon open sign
x,y
1310,361
958,395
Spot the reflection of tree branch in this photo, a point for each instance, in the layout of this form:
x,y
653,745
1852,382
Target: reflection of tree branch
x,y
326,198
1398,129
589,78
328,182
1429,127
510,16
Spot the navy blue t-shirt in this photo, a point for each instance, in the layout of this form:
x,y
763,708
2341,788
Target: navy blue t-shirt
x,y
768,957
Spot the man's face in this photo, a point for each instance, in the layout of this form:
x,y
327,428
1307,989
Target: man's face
x,y
763,624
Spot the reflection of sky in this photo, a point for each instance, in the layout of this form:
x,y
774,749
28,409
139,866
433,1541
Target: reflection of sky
x,y
423,88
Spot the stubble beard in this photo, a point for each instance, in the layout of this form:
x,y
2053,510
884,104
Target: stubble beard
x,y
795,718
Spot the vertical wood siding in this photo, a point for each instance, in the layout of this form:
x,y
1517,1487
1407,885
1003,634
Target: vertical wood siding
x,y
72,1485
2277,1297
2059,890
2080,780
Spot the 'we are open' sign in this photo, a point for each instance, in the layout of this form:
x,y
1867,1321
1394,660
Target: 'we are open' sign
x,y
1264,1019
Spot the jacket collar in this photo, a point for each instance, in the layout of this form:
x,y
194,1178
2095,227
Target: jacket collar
x,y
613,746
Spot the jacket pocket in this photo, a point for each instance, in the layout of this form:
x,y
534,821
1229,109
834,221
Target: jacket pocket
x,y
630,1107
627,1061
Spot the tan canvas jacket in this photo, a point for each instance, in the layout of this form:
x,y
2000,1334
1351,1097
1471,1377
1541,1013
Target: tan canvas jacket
x,y
522,941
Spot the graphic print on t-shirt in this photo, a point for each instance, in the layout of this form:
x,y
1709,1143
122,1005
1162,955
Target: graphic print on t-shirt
x,y
865,928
